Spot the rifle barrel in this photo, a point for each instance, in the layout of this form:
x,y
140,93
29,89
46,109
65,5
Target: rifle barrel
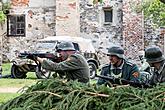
x,y
124,82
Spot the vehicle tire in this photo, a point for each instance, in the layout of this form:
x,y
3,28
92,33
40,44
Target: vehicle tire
x,y
16,73
93,69
42,73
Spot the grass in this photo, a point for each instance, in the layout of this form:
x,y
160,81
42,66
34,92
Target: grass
x,y
17,82
4,97
20,83
6,68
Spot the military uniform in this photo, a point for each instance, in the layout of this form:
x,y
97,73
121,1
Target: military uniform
x,y
127,70
159,75
154,56
75,67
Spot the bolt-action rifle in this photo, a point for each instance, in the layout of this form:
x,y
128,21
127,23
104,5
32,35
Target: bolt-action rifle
x,y
124,82
33,56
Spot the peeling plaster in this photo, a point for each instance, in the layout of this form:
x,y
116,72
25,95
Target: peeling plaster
x,y
62,18
19,2
72,5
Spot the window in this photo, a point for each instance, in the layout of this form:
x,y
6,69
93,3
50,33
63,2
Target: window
x,y
108,14
16,25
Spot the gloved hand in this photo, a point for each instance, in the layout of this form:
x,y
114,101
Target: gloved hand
x,y
32,57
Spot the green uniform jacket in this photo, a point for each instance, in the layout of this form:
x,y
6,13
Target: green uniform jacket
x,y
158,75
75,67
125,71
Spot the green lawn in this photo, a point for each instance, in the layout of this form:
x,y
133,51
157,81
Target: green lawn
x,y
20,83
16,82
4,97
6,68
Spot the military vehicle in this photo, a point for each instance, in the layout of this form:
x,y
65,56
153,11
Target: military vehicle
x,y
46,48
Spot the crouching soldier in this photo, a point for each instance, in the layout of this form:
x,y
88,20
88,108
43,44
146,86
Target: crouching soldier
x,y
156,60
119,67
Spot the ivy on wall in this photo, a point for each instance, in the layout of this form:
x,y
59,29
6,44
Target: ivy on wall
x,y
97,1
2,16
4,11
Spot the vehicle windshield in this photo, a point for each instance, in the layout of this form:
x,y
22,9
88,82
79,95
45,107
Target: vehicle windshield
x,y
46,45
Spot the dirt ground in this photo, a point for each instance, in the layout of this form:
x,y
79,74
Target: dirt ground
x,y
9,90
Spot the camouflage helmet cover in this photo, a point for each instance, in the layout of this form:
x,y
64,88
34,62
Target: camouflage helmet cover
x,y
116,50
65,46
154,54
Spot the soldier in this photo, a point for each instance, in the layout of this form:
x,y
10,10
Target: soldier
x,y
73,64
156,60
119,67
145,73
144,65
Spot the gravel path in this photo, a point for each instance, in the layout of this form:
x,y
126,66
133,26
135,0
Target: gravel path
x,y
9,89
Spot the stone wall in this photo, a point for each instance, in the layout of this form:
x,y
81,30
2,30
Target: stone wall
x,y
40,22
133,38
92,26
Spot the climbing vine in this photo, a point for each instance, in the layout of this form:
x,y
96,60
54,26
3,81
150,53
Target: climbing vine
x,y
4,11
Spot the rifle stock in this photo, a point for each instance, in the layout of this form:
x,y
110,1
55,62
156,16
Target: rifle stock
x,y
124,82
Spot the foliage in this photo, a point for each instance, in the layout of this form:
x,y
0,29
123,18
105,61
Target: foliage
x,y
163,1
2,16
4,11
4,97
154,10
96,1
61,95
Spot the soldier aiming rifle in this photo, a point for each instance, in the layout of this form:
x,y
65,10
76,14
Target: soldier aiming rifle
x,y
73,65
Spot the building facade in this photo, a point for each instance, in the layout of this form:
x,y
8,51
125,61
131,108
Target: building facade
x,y
107,23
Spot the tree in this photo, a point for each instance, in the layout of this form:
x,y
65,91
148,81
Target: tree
x,y
154,9
163,1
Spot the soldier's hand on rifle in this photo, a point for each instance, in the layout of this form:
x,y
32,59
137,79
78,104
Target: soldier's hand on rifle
x,y
40,59
32,57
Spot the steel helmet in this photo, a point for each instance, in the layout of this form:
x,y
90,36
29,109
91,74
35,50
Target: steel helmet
x,y
153,54
65,46
116,50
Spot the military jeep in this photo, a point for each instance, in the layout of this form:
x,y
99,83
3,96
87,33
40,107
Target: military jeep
x,y
46,48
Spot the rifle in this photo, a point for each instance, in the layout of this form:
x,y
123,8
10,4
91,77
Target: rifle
x,y
54,57
124,82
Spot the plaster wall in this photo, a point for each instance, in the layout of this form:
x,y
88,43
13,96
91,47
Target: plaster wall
x,y
67,18
40,22
92,25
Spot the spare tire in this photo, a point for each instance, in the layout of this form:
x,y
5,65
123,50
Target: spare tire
x,y
93,69
17,73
